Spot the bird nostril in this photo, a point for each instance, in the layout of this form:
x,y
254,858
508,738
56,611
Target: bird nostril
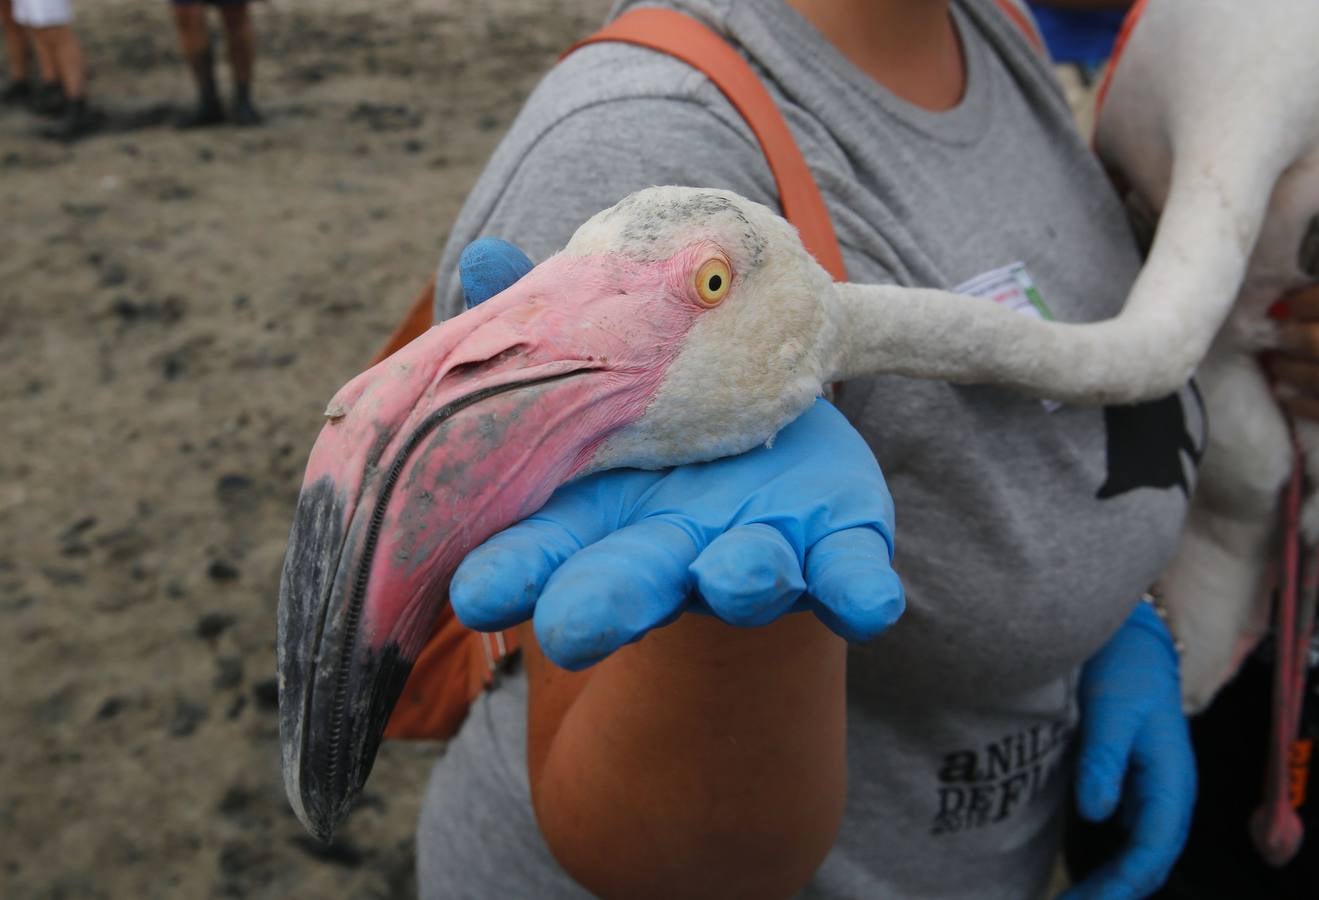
x,y
1308,257
476,367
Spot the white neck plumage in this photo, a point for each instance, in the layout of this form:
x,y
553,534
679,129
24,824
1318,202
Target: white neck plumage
x,y
1178,304
1193,121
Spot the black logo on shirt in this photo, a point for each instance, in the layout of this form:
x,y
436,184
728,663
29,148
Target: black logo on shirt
x,y
1146,442
985,786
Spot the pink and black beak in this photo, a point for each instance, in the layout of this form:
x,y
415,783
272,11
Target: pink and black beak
x,y
463,432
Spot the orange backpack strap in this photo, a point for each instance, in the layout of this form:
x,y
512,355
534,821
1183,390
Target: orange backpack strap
x,y
1124,35
454,667
684,38
1024,24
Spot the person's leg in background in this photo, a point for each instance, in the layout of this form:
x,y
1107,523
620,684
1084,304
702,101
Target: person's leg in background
x,y
50,23
241,40
71,67
47,97
195,42
19,88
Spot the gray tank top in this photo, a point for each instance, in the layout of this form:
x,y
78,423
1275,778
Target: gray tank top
x,y
1025,532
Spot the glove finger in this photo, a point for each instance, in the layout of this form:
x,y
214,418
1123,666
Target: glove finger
x,y
497,585
1138,871
851,581
488,266
1161,801
1163,786
614,591
1112,881
1102,884
1107,734
749,575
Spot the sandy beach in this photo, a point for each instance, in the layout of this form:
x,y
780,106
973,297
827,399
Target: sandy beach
x,y
177,308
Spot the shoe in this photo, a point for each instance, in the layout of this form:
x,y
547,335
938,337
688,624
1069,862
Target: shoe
x,y
47,99
208,112
245,113
78,122
17,93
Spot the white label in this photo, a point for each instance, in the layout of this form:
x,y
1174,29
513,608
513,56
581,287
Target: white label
x,y
1011,286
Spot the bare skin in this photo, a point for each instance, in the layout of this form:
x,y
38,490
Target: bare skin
x,y
708,760
60,46
195,41
190,23
16,50
240,38
909,46
45,59
703,761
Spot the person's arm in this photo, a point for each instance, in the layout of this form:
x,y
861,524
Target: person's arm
x,y
707,759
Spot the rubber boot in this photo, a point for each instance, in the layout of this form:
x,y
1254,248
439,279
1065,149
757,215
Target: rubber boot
x,y
209,110
47,99
17,93
78,122
245,112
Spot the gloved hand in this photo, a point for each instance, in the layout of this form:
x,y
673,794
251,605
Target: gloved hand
x,y
1135,753
804,525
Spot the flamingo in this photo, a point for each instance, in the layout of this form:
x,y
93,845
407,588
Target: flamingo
x,y
1211,117
687,324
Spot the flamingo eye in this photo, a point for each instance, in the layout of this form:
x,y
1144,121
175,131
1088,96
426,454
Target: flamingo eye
x,y
712,281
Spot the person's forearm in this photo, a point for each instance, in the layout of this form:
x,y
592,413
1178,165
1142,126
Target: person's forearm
x,y
704,761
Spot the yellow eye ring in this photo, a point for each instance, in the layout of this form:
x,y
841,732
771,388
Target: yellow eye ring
x,y
713,279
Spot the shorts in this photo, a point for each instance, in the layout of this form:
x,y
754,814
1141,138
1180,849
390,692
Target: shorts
x,y
43,13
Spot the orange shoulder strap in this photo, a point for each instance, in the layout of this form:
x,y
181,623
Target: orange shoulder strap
x,y
1023,22
684,38
1124,35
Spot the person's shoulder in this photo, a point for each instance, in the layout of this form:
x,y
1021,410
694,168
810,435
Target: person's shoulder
x,y
609,120
599,73
617,115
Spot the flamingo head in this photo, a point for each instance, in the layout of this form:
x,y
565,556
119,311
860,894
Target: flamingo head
x,y
679,325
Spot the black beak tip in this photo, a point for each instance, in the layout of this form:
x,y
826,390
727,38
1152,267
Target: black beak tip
x,y
329,748
321,825
318,807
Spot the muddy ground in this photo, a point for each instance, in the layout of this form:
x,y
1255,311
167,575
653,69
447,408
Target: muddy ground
x,y
175,309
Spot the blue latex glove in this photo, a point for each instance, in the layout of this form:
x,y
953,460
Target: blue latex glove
x,y
1135,753
806,525
487,266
